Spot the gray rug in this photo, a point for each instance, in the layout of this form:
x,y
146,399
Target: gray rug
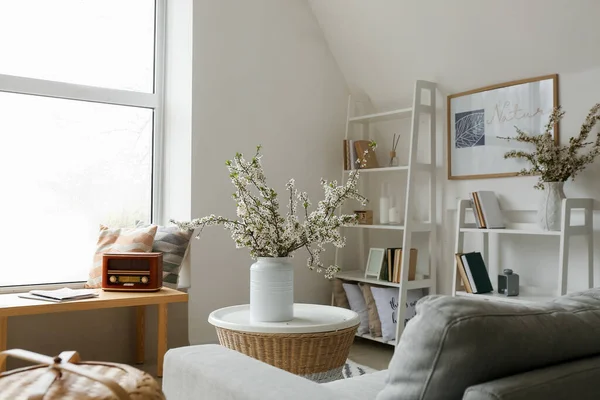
x,y
352,369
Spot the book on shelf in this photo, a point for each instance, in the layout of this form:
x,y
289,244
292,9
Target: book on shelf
x,y
475,207
477,278
346,155
478,213
412,265
60,295
364,151
490,208
351,155
463,273
391,255
487,210
392,266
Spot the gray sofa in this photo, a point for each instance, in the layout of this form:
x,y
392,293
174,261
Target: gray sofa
x,y
455,348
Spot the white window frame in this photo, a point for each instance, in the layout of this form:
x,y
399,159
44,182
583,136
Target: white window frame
x,y
71,91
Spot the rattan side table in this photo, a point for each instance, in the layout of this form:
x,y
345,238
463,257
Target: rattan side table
x,y
315,344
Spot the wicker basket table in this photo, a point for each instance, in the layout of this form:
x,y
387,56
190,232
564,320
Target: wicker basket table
x,y
315,344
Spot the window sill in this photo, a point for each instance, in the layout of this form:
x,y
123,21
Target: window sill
x,y
51,286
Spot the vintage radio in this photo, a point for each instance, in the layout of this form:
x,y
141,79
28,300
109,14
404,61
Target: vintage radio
x,y
140,272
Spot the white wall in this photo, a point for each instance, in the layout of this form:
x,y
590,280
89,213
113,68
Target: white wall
x,y
383,46
262,74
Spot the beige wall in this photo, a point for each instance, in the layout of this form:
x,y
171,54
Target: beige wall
x,y
263,74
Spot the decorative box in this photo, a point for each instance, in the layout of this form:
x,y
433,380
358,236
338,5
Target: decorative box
x,y
364,217
67,378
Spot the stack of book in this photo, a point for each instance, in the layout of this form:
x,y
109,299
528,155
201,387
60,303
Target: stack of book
x,y
487,210
473,273
354,151
60,295
391,268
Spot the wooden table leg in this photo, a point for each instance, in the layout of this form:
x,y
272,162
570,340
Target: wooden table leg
x,y
162,337
3,336
140,334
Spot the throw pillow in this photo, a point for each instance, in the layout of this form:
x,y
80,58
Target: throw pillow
x,y
386,300
374,321
339,295
119,240
174,244
358,305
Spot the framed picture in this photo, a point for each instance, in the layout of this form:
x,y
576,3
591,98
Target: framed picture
x,y
374,263
477,120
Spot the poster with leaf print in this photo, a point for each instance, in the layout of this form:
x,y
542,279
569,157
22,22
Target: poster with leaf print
x,y
478,118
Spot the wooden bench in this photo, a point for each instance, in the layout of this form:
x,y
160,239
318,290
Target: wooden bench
x,y
12,305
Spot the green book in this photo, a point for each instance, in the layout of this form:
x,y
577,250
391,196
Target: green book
x,y
476,266
383,274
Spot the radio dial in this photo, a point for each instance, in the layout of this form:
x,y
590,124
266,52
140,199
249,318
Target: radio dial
x,y
113,279
144,279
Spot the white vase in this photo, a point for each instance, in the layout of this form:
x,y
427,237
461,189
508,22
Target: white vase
x,y
549,215
272,290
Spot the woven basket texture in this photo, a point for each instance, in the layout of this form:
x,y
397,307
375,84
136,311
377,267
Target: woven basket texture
x,y
298,353
140,386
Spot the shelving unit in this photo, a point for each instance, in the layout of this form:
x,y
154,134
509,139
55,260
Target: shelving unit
x,y
423,90
531,294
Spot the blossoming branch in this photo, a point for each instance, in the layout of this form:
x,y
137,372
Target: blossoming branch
x,y
262,228
553,162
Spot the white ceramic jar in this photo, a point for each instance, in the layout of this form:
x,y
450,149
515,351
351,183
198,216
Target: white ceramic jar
x,y
272,290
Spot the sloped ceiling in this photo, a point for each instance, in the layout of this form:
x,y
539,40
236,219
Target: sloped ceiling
x,y
383,46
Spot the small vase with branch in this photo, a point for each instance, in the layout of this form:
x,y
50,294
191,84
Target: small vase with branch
x,y
273,237
555,163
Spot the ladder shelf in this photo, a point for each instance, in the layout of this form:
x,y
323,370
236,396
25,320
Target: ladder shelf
x,y
406,172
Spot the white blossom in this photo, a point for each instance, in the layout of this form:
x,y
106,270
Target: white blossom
x,y
262,229
551,161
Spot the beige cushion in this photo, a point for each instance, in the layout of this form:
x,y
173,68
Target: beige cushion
x,y
374,321
119,240
339,294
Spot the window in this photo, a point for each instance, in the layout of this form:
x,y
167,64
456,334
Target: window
x,y
80,119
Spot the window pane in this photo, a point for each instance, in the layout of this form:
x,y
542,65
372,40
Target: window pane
x,y
66,167
106,43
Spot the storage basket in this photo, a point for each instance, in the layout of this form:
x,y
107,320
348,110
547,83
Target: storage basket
x,y
66,378
318,356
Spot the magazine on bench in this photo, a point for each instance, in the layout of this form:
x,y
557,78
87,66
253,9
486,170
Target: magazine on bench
x,y
60,295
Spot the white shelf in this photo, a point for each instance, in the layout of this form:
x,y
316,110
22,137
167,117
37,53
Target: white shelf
x,y
383,116
422,227
568,230
380,169
418,166
408,177
359,276
377,339
513,231
526,295
376,226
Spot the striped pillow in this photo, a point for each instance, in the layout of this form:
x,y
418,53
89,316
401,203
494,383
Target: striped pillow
x,y
174,244
119,240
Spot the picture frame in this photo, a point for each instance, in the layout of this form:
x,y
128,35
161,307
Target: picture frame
x,y
477,119
374,262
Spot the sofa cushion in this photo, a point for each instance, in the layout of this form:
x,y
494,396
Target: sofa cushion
x,y
454,343
577,379
358,305
174,244
374,321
